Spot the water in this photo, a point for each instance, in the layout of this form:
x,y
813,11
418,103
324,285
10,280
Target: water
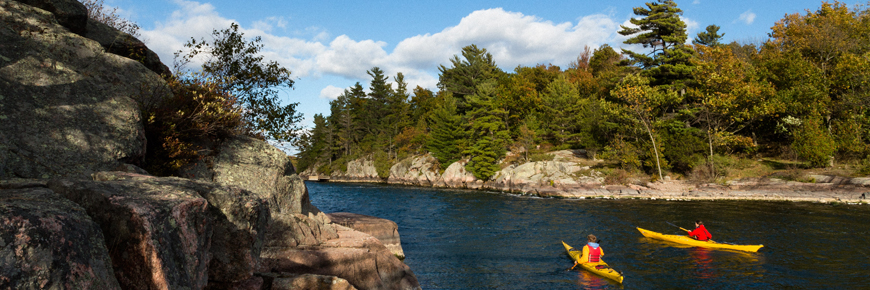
x,y
463,239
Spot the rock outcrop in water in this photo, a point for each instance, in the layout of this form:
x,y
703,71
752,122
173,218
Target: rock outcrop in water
x,y
75,213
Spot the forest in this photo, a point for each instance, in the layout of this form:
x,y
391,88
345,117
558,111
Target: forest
x,y
693,107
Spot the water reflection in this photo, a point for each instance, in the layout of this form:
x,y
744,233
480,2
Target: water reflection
x,y
703,263
587,280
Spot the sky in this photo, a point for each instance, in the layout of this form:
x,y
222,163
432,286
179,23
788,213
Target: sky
x,y
329,45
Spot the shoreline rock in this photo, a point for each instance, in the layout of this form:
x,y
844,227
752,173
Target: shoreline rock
x,y
565,177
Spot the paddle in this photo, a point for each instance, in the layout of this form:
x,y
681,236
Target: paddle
x,y
678,227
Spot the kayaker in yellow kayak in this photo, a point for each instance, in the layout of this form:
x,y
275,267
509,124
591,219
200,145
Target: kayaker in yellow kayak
x,y
700,232
592,252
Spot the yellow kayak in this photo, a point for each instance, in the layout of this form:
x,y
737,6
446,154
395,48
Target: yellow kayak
x,y
601,268
686,240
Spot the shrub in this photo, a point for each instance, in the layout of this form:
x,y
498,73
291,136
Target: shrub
x,y
102,14
181,127
813,144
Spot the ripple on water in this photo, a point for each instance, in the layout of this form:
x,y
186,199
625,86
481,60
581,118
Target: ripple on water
x,y
464,239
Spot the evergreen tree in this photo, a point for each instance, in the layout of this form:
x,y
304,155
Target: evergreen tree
x,y
463,78
379,94
489,135
447,135
661,29
710,37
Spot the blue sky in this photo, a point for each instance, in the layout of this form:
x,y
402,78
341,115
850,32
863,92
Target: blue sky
x,y
329,45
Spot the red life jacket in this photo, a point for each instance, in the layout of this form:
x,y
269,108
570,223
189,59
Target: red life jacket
x,y
594,254
701,233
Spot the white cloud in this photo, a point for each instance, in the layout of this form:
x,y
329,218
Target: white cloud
x,y
747,17
512,38
696,2
331,92
269,23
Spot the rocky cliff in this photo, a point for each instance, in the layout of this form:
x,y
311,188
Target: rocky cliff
x,y
76,213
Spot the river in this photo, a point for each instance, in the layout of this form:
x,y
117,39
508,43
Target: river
x,y
465,239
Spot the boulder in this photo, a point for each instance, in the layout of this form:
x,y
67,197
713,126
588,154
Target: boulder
x,y
49,242
259,167
287,281
415,170
355,256
124,44
298,230
239,221
157,233
358,170
66,106
266,171
536,177
71,14
384,230
455,176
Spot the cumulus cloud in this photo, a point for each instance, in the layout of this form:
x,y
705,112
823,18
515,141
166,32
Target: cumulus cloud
x,y
747,17
331,92
511,37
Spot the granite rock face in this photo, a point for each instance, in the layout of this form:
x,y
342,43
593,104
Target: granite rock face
x,y
284,281
384,230
67,107
258,167
49,242
355,256
158,235
124,44
239,220
71,14
358,170
415,170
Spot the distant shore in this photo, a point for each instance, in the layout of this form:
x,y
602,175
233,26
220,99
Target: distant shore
x,y
827,189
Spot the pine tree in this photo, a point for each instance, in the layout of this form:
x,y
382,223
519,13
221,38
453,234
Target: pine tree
x,y
661,29
488,134
446,138
463,78
710,37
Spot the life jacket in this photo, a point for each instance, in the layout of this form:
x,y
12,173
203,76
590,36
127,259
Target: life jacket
x,y
701,233
594,253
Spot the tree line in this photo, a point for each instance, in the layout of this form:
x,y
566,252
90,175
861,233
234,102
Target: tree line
x,y
802,94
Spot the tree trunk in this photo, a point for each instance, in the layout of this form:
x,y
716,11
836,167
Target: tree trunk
x,y
655,148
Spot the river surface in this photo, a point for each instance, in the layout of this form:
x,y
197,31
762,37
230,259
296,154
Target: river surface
x,y
464,239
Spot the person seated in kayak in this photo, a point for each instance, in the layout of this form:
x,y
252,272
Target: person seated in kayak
x,y
700,232
592,252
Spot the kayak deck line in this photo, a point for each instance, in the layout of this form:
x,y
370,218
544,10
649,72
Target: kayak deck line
x,y
601,268
685,240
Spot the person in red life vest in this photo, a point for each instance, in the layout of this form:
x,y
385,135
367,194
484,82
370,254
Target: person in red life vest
x,y
592,252
700,232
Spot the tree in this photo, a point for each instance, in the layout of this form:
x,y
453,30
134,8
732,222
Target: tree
x,y
253,81
728,95
710,37
661,29
447,136
641,100
488,133
463,78
376,110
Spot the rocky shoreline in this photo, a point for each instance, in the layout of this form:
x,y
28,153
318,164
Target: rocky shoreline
x,y
567,177
77,213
